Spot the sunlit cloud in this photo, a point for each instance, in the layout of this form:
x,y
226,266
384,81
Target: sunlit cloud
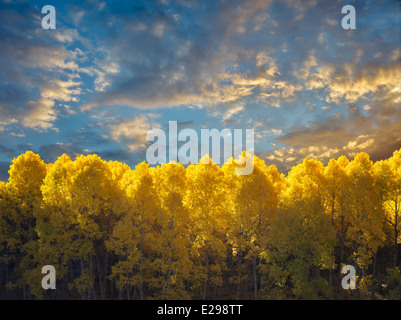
x,y
132,132
111,71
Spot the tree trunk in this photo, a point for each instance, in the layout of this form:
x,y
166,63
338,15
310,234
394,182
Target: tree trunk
x,y
134,293
83,297
355,291
215,293
342,240
128,291
396,234
127,284
239,272
7,265
141,262
100,278
205,285
372,294
255,279
91,291
105,273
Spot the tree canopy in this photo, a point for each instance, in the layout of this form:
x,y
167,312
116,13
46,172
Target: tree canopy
x,y
202,231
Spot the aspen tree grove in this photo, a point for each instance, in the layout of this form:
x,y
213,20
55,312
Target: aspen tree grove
x,y
201,231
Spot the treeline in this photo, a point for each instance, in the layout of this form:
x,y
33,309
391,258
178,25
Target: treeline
x,y
201,232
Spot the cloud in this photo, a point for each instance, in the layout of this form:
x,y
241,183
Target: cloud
x,y
40,115
25,147
123,155
354,84
191,68
40,69
285,68
4,167
50,153
232,112
132,132
7,151
336,137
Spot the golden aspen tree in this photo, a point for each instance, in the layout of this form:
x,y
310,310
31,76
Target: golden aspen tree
x,y
301,240
172,265
337,191
93,192
204,200
61,240
388,174
337,186
134,235
365,233
174,233
4,231
3,208
393,203
24,195
236,237
388,182
118,207
255,197
117,171
125,243
77,197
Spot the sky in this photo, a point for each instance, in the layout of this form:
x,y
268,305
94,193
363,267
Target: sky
x,y
113,70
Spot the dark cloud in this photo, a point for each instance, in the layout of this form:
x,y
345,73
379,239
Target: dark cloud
x,y
7,151
50,153
4,168
25,147
337,137
123,155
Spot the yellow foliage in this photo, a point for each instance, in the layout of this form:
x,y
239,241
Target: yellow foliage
x,y
171,232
